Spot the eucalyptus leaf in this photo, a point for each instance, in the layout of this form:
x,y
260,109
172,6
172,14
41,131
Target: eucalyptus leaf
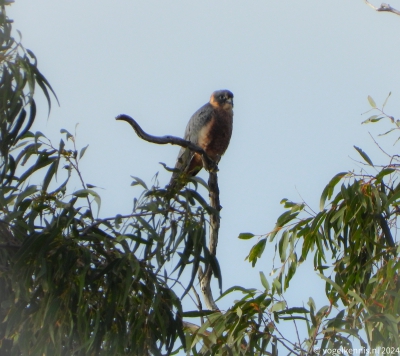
x,y
371,102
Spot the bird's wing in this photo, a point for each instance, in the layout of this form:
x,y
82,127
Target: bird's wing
x,y
198,120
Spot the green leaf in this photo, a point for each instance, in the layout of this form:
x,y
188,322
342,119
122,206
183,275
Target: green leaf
x,y
393,198
83,193
97,199
328,190
38,134
291,271
383,173
68,135
333,284
49,175
387,132
41,162
197,313
216,270
32,115
283,243
357,298
311,303
83,150
286,217
373,118
294,310
251,291
200,181
239,312
278,306
364,155
246,235
27,192
371,101
264,281
138,181
256,251
384,104
277,284
195,195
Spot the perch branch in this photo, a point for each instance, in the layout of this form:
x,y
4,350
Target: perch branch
x,y
209,165
205,286
205,278
384,7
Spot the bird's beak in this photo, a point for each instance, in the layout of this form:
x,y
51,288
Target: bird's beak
x,y
230,101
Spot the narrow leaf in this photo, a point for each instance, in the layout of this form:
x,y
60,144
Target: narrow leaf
x,y
384,104
264,281
283,243
333,284
383,173
373,118
294,310
278,306
364,155
137,180
67,134
371,101
49,175
256,251
83,150
238,288
328,190
246,235
197,313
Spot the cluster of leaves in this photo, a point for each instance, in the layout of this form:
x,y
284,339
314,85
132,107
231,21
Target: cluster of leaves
x,y
74,284
353,242
248,327
19,74
70,283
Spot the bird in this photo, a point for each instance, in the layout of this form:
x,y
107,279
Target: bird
x,y
210,128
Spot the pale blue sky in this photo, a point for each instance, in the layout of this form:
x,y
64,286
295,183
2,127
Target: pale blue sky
x,y
300,71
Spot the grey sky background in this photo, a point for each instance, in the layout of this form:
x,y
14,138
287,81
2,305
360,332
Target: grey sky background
x,y
300,71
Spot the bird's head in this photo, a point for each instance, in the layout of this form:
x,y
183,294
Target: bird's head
x,y
222,99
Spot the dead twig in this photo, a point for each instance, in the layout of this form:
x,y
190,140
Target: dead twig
x,y
383,8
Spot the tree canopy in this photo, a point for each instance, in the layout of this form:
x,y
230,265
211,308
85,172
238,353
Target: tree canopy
x,y
74,283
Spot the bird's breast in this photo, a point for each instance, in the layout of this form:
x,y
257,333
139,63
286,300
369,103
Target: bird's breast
x,y
214,137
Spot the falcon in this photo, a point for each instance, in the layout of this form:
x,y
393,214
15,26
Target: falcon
x,y
210,128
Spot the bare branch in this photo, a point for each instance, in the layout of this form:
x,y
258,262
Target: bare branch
x,y
205,286
383,8
209,164
205,278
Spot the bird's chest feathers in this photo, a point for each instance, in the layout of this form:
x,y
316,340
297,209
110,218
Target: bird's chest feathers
x,y
214,137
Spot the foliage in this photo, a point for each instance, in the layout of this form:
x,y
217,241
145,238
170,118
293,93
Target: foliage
x,y
70,283
75,284
352,239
